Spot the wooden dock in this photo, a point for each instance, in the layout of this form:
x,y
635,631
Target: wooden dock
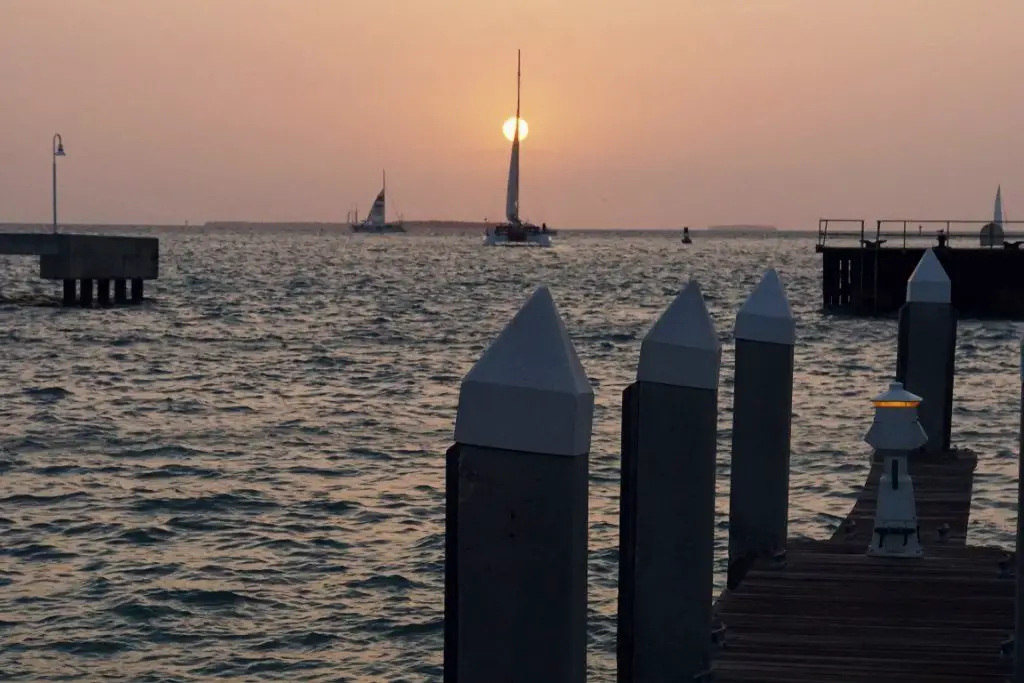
x,y
831,613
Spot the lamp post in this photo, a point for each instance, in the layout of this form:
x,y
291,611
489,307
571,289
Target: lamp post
x,y
894,434
58,151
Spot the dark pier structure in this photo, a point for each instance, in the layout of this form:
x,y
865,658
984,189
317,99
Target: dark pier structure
x,y
866,274
105,269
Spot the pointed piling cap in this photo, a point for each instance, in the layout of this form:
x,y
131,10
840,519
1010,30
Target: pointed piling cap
x,y
766,316
682,349
528,392
929,283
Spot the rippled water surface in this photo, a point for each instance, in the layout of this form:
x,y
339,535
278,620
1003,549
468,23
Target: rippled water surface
x,y
243,478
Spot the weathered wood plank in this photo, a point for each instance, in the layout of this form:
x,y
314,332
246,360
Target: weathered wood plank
x,y
832,613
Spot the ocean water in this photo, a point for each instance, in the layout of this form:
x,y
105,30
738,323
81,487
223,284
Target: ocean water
x,y
243,479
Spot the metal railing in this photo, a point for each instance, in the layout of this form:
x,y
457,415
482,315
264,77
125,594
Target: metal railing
x,y
904,229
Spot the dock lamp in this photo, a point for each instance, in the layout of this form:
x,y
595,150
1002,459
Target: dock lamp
x,y
894,434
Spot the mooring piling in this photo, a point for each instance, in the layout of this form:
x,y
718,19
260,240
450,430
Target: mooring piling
x,y
667,514
516,509
762,419
926,349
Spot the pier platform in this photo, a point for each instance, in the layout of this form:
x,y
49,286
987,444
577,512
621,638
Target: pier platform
x,y
90,265
831,613
865,273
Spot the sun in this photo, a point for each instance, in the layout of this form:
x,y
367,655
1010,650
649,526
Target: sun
x,y
509,128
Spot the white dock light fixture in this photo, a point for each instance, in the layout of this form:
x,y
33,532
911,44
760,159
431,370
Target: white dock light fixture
x,y
894,434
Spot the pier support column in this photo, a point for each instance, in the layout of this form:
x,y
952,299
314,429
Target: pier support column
x,y
515,603
761,424
667,513
85,298
120,291
70,292
103,292
138,285
926,349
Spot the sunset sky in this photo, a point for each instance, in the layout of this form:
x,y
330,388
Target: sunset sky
x,y
642,114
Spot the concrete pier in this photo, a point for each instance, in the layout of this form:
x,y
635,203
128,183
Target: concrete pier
x,y
667,516
78,260
761,425
926,349
516,509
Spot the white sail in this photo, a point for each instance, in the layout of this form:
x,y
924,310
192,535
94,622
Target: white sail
x,y
997,212
512,198
379,208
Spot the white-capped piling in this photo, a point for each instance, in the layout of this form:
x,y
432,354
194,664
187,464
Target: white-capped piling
x,y
1018,607
667,514
926,349
894,434
761,423
516,509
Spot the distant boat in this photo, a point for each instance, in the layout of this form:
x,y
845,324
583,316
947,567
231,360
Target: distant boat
x,y
686,236
992,233
515,231
376,219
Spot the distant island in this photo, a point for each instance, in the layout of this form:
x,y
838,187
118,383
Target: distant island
x,y
742,228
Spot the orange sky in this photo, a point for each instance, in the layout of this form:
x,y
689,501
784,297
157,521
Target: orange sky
x,y
645,114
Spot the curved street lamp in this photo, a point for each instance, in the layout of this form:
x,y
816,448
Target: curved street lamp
x,y
58,151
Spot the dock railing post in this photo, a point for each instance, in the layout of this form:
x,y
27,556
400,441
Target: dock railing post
x,y
894,434
667,513
926,348
761,424
516,521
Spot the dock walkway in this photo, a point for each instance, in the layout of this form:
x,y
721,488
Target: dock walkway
x,y
832,613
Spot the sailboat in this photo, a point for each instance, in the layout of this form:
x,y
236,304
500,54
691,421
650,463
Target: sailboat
x,y
376,218
515,231
992,233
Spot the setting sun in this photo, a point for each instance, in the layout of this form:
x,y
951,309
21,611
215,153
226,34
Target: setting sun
x,y
509,128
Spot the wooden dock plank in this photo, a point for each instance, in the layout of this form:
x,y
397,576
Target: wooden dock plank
x,y
832,613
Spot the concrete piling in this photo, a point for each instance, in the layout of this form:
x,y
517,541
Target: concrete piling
x,y
138,285
85,296
762,417
103,292
70,292
516,509
926,349
667,514
120,291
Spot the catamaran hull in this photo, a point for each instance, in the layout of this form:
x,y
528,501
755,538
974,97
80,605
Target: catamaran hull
x,y
387,227
535,239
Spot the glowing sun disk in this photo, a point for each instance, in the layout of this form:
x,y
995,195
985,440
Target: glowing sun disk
x,y
509,128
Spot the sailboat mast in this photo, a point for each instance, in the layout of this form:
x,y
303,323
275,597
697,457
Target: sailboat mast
x,y
384,189
519,80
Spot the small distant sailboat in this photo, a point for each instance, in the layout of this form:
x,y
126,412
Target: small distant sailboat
x,y
992,234
686,236
376,219
516,231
